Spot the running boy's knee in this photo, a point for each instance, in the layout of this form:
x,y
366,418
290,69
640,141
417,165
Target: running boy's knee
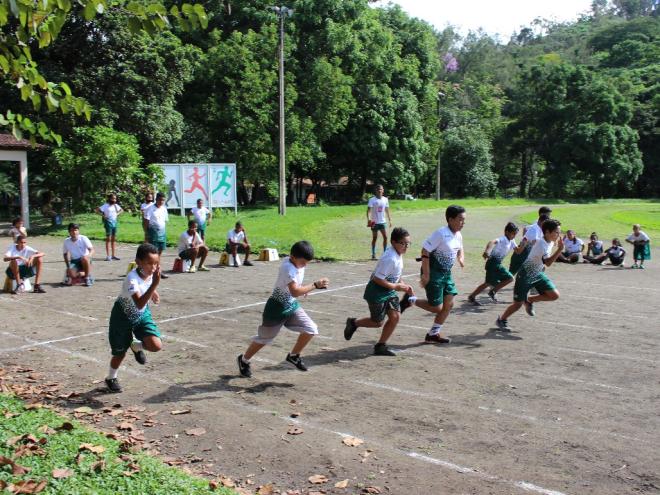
x,y
553,295
394,316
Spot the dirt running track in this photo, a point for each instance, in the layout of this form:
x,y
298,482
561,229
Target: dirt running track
x,y
566,404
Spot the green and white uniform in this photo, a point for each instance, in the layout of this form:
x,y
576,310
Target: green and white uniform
x,y
377,213
158,218
201,215
641,252
532,272
443,247
126,319
380,299
110,214
532,234
495,271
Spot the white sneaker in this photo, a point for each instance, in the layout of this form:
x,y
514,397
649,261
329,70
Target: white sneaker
x,y
108,258
20,288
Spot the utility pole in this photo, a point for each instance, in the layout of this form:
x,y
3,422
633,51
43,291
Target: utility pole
x,y
438,169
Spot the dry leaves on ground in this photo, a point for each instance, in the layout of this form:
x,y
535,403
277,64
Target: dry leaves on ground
x,y
372,490
61,473
267,489
29,486
195,432
352,441
16,469
126,426
317,479
342,484
295,430
96,449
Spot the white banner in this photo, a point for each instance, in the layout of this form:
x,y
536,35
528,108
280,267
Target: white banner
x,y
215,183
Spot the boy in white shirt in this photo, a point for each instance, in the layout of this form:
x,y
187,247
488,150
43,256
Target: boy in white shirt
x,y
24,262
380,293
642,246
157,217
573,247
191,246
202,215
109,211
439,253
17,229
237,242
131,315
498,277
283,309
377,207
532,274
530,234
77,251
148,201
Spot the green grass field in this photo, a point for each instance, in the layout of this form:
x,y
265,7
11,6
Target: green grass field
x,y
334,230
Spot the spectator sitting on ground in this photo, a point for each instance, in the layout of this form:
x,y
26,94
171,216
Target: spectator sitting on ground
x,y
191,246
24,262
237,242
77,251
17,229
573,247
594,249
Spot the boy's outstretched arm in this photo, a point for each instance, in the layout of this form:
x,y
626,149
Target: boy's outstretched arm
x,y
300,290
521,247
550,260
141,301
489,247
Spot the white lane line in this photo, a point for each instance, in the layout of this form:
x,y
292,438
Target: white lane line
x,y
343,297
46,342
214,317
604,354
42,308
184,341
609,286
622,315
571,325
599,298
572,380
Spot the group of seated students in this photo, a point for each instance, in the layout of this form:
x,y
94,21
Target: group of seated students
x,y
596,253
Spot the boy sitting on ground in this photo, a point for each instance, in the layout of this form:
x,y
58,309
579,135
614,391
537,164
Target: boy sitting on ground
x,y
24,262
573,247
237,242
191,247
77,251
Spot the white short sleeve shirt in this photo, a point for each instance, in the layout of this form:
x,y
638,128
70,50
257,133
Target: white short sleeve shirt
x,y
443,247
110,212
26,252
502,248
236,237
78,248
378,206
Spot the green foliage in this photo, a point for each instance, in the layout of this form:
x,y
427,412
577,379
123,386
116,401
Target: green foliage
x,y
7,186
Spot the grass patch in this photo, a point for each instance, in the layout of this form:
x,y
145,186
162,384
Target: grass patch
x,y
61,450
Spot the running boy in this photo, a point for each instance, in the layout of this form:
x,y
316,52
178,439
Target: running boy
x,y
530,233
191,247
532,274
158,217
498,277
283,309
148,201
381,296
109,211
202,216
77,251
377,207
439,253
24,262
131,315
642,246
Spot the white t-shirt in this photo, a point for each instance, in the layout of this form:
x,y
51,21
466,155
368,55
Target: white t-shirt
x,y
574,246
502,247
617,251
533,233
78,248
14,232
443,246
200,214
144,206
639,237
26,252
133,284
534,265
110,212
389,266
236,237
158,217
378,206
186,241
281,301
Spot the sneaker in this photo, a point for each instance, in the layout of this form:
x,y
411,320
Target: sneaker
x,y
38,289
404,303
641,267
113,385
236,265
297,361
108,258
243,367
247,263
350,328
491,294
381,349
115,258
140,356
20,288
529,307
67,281
373,256
474,301
502,324
633,267
192,269
162,275
89,281
203,268
436,339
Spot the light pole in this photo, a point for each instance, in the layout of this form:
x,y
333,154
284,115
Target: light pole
x,y
282,12
441,95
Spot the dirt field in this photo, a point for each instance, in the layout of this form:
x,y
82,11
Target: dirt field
x,y
566,404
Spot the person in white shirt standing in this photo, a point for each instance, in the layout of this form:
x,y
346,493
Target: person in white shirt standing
x,y
202,216
24,262
148,201
157,216
191,247
377,208
237,242
77,251
109,212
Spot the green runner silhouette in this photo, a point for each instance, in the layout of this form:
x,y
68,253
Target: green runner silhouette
x,y
222,176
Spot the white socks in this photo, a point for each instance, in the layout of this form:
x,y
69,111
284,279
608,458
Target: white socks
x,y
435,329
112,373
137,346
412,299
246,361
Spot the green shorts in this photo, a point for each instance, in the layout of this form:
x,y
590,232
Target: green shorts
x,y
541,283
201,230
642,252
439,286
378,310
378,226
110,228
23,270
517,260
496,273
121,330
76,264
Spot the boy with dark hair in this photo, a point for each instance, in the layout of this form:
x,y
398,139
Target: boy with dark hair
x,y
202,215
283,309
24,262
531,234
157,216
573,247
377,207
381,296
439,253
109,212
131,315
17,229
532,274
642,246
148,201
237,242
191,247
77,251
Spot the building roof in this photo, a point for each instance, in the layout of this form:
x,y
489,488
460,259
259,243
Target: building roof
x,y
9,142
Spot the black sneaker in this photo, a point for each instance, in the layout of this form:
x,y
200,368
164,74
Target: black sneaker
x,y
115,258
491,294
405,303
502,324
473,300
436,339
113,385
38,289
350,328
163,275
247,263
529,307
243,367
297,361
140,356
382,350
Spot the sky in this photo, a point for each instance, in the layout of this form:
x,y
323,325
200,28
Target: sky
x,y
501,17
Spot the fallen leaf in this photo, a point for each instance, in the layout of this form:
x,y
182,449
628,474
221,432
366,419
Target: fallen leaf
x,y
29,486
83,410
98,466
372,489
213,485
15,468
318,479
342,484
96,449
115,412
66,426
295,414
126,426
47,430
61,473
267,489
195,432
30,449
228,482
181,411
314,492
352,441
294,430
35,405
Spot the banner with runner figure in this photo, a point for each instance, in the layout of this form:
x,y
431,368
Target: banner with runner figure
x,y
223,184
195,184
215,183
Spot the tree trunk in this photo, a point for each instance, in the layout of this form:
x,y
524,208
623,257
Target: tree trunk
x,y
525,167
